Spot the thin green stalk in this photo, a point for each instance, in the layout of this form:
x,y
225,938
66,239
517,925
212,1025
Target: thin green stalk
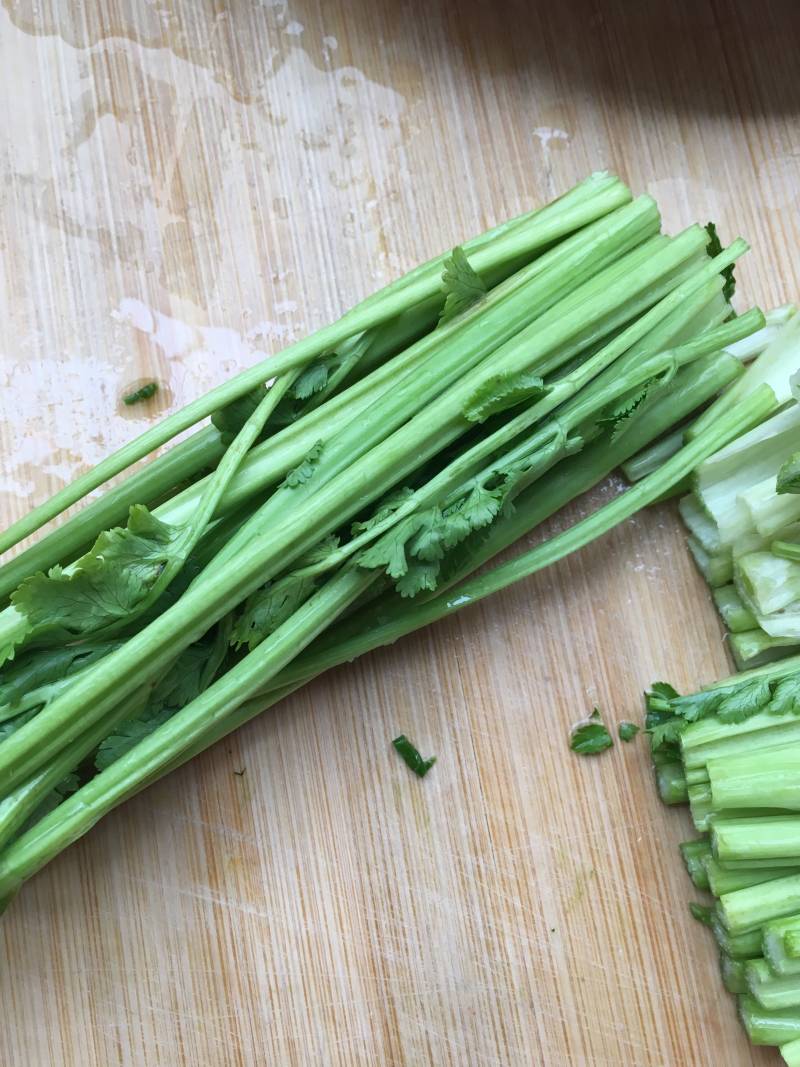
x,y
774,838
699,797
710,739
768,1027
764,778
748,909
192,532
779,937
733,974
731,608
17,807
772,991
724,880
753,648
694,853
653,456
745,946
589,201
671,784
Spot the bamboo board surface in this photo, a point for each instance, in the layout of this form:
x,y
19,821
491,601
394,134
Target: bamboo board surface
x,y
186,185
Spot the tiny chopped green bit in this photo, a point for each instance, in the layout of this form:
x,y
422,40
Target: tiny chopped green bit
x,y
144,393
714,248
627,730
701,912
789,475
590,737
411,756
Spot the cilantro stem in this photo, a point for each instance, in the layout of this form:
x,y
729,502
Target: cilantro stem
x,y
249,561
145,486
363,631
78,813
17,807
212,709
588,201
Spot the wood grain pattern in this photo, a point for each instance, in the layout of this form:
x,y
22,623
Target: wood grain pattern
x,y
189,184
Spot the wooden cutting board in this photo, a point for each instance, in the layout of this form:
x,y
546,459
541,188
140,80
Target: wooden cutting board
x,y
187,184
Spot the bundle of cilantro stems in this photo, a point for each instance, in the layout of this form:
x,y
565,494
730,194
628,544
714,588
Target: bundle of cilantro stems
x,y
347,491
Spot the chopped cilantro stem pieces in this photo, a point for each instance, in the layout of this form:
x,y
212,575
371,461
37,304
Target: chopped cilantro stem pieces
x,y
771,838
671,783
781,939
144,393
726,880
411,756
745,946
694,854
748,909
702,913
733,974
765,1026
768,778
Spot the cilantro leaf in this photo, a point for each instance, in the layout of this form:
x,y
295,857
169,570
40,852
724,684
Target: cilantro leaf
x,y
392,503
230,419
36,670
419,578
627,730
481,506
431,538
660,696
744,700
665,734
108,583
190,674
304,470
269,607
312,379
785,697
319,552
714,247
411,756
590,737
128,734
389,551
461,285
617,418
502,391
